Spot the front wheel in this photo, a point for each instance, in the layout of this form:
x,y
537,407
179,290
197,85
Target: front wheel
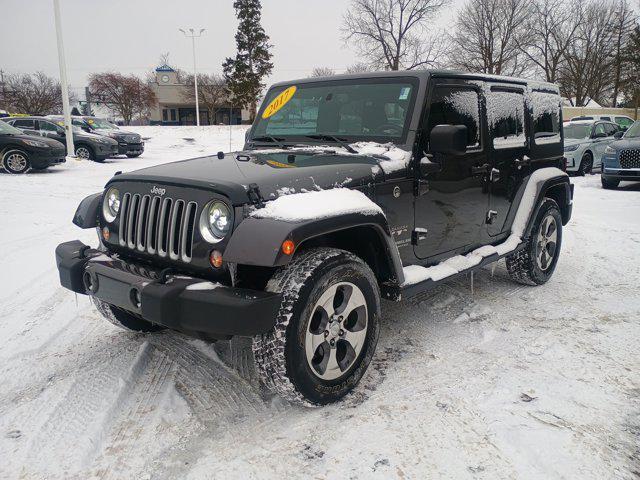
x,y
609,184
536,262
586,164
326,330
85,153
16,162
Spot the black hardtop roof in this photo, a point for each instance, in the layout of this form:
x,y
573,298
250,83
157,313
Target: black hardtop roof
x,y
424,75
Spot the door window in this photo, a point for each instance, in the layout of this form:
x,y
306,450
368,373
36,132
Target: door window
x,y
47,126
452,105
546,117
24,123
505,114
611,129
599,130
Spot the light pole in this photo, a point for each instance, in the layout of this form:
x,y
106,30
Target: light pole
x,y
193,37
63,82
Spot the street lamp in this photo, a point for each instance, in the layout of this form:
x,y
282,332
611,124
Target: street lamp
x,y
63,82
193,37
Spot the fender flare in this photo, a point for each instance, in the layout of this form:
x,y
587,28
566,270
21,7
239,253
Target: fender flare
x,y
558,188
87,213
258,241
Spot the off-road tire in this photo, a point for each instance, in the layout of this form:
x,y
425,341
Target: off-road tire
x,y
522,265
123,319
280,353
609,184
133,155
8,161
586,164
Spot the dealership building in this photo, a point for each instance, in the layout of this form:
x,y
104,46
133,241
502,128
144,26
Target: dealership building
x,y
176,107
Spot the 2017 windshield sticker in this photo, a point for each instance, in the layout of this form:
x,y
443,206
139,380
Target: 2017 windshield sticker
x,y
279,102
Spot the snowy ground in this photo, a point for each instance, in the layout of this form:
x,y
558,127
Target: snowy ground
x,y
508,382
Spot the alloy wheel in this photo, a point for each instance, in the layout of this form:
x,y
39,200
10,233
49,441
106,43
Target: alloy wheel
x,y
16,162
547,242
83,152
336,331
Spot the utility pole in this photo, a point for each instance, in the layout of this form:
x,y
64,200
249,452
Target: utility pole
x,y
192,35
63,82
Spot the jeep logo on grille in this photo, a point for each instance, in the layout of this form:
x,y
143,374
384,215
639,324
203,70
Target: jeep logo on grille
x,y
158,191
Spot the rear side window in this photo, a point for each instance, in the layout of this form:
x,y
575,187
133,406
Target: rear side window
x,y
453,105
49,127
505,114
546,117
23,123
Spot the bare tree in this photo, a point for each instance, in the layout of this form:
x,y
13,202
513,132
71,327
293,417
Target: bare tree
x,y
126,95
590,56
213,93
322,72
487,37
358,68
551,26
624,22
394,34
33,93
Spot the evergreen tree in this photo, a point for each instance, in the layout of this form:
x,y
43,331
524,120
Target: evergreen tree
x,y
245,72
631,71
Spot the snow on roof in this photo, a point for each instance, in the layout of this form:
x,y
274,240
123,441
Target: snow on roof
x,y
299,207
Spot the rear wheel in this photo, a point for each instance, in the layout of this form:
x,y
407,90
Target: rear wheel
x,y
586,164
16,162
609,184
326,329
123,319
536,262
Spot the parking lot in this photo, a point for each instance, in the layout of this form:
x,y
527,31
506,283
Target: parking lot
x,y
501,382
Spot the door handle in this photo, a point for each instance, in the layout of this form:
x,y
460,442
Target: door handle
x,y
479,170
522,162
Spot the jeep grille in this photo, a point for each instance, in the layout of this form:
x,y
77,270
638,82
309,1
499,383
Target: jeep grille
x,y
157,225
630,158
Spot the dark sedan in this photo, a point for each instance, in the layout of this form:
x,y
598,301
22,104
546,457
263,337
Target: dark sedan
x,y
621,159
20,152
129,143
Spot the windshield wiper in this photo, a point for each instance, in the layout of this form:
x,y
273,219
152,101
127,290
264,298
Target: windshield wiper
x,y
340,141
269,138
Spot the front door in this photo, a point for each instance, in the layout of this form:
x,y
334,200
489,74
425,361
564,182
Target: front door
x,y
51,130
450,205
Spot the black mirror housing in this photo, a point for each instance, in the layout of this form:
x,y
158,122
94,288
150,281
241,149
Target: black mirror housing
x,y
427,166
448,139
618,135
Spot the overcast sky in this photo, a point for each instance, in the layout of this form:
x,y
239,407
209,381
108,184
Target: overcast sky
x,y
129,35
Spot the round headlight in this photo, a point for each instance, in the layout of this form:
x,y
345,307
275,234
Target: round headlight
x,y
111,204
215,221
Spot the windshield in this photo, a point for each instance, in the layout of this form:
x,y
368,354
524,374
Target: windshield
x,y
6,129
352,110
100,124
633,131
577,131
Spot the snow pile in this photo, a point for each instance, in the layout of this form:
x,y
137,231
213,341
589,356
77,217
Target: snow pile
x,y
299,207
416,273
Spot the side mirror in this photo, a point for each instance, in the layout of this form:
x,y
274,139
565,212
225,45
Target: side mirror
x,y
618,135
427,166
448,139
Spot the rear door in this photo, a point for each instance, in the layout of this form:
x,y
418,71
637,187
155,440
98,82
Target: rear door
x,y
509,144
450,205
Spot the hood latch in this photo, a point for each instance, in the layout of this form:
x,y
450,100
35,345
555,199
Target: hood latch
x,y
255,197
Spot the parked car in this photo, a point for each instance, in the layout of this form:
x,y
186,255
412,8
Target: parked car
x,y
585,142
20,153
88,145
621,159
622,121
395,183
129,143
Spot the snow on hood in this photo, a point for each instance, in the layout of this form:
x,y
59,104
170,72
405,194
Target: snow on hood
x,y
299,207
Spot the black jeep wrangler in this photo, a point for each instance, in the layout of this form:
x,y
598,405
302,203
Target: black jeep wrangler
x,y
349,189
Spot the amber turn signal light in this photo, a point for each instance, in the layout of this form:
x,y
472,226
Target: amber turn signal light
x,y
106,233
215,258
288,247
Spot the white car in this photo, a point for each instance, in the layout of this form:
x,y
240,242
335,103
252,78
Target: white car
x,y
622,121
585,143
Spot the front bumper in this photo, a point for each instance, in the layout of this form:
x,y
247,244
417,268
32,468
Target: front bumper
x,y
183,303
41,158
125,148
630,174
106,150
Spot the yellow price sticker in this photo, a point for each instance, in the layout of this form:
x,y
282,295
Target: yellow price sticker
x,y
279,102
273,163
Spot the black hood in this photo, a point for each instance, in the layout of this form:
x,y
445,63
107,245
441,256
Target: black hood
x,y
275,174
37,138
